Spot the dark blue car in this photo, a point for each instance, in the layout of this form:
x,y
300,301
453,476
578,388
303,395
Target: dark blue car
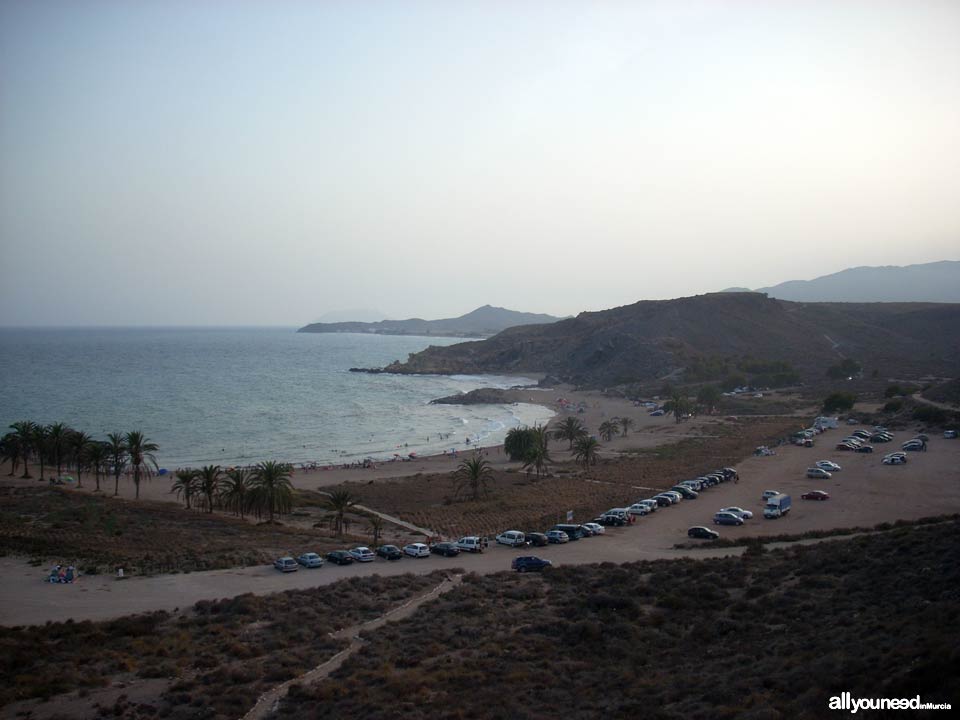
x,y
527,563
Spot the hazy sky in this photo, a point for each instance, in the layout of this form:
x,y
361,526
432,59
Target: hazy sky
x,y
204,162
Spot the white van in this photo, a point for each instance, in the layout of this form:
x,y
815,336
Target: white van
x,y
471,543
513,538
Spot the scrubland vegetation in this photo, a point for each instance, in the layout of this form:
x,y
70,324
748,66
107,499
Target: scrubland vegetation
x,y
216,658
768,635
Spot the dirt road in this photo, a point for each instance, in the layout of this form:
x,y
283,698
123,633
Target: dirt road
x,y
864,493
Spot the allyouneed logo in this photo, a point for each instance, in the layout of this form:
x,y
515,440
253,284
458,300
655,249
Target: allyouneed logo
x,y
845,701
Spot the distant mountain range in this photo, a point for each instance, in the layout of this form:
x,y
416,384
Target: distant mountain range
x,y
929,282
482,322
688,338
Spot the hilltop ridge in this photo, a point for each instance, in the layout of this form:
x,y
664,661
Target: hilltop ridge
x,y
485,321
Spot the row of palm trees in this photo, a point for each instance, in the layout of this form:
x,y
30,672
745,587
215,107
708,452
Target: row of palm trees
x,y
59,446
530,445
264,489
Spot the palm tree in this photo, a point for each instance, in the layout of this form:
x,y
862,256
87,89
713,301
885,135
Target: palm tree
x,y
208,478
539,454
626,423
587,451
570,429
140,450
22,442
77,442
609,428
38,442
185,486
376,528
679,405
272,490
339,501
58,438
97,453
10,452
117,446
235,490
473,474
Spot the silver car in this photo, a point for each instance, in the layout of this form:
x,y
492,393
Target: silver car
x,y
310,560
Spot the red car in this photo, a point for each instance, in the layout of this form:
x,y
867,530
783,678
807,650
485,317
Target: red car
x,y
816,495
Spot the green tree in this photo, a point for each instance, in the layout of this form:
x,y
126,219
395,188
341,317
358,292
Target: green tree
x,y
839,401
679,405
272,491
141,451
185,485
609,428
376,529
96,454
22,441
117,444
208,480
625,424
41,434
77,443
58,439
538,455
570,429
235,490
517,443
340,502
708,397
586,450
473,476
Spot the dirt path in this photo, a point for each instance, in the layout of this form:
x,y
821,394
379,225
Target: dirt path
x,y
270,701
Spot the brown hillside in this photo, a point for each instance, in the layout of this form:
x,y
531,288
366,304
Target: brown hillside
x,y
652,339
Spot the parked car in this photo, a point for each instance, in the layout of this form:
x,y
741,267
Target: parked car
x,y
864,449
861,433
557,536
513,538
767,494
950,434
640,509
595,528
745,514
417,550
389,552
527,563
310,560
727,518
657,413
673,494
894,460
687,493
818,473
447,549
815,495
537,539
730,473
610,521
845,446
698,531
471,543
829,466
651,504
881,437
662,500
362,554
575,532
285,564
340,557
912,445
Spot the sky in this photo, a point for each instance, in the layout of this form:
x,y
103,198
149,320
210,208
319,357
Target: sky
x,y
266,163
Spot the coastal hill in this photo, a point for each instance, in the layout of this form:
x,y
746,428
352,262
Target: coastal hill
x,y
482,322
928,282
687,338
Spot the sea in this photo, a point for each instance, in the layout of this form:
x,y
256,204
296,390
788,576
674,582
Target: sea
x,y
238,396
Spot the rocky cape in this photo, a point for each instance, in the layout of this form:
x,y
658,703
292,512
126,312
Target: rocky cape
x,y
656,339
482,322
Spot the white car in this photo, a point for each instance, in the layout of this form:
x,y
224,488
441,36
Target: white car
x,y
651,504
362,554
672,499
767,494
828,466
745,514
416,550
595,528
638,509
310,560
513,538
285,564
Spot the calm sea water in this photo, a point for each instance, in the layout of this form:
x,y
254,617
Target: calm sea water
x,y
242,395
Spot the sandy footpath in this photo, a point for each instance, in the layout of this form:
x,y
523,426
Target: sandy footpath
x,y
864,493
